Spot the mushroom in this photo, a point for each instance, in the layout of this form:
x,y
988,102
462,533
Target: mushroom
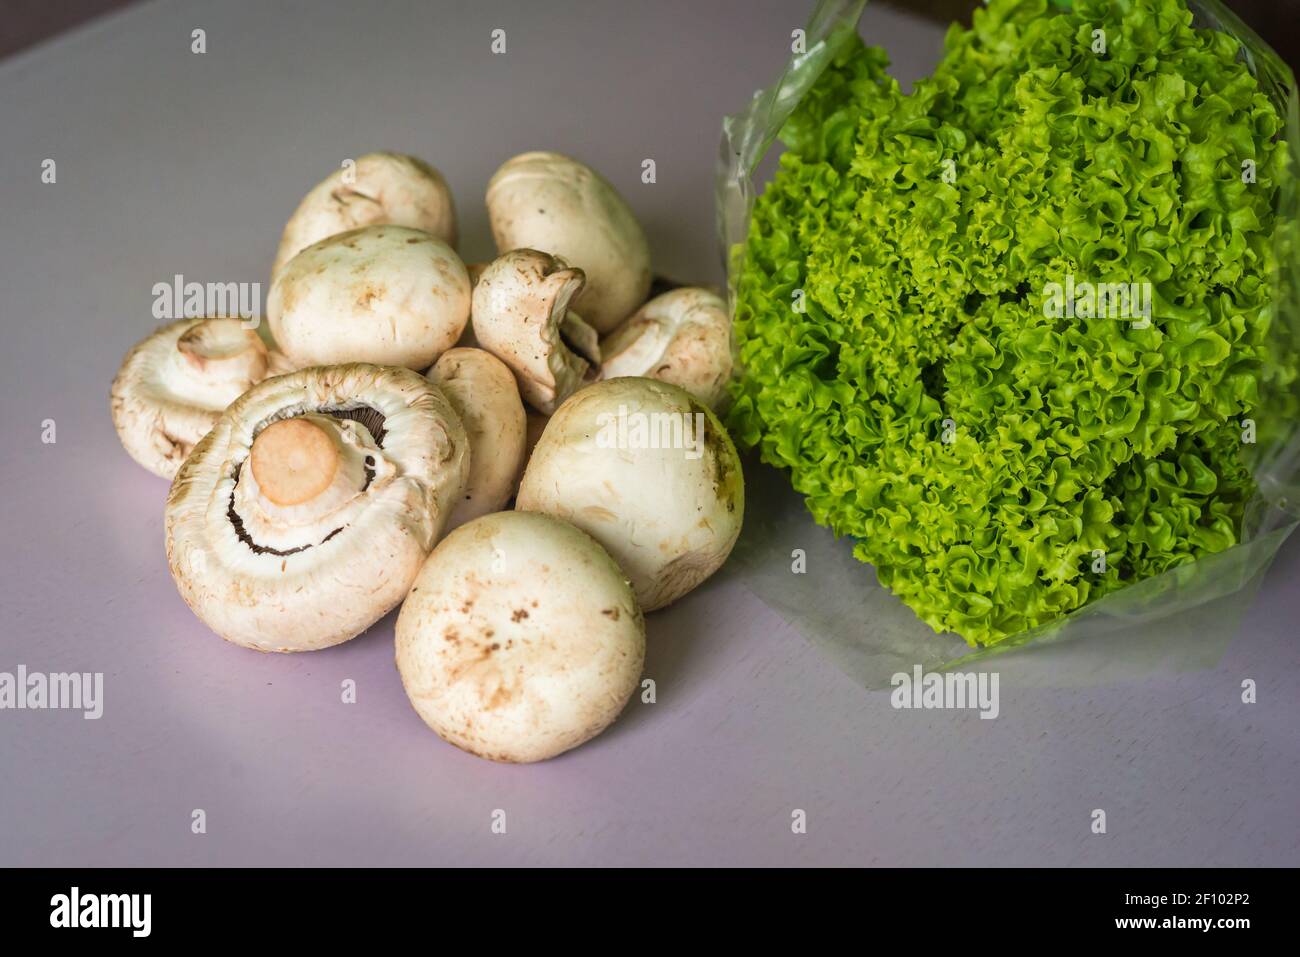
x,y
556,204
682,337
303,516
521,315
174,384
520,639
648,471
482,390
385,188
383,294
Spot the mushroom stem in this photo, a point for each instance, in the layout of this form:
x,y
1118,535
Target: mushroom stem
x,y
221,344
294,460
300,473
582,340
216,361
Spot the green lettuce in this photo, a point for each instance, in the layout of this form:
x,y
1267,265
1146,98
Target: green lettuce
x,y
1001,463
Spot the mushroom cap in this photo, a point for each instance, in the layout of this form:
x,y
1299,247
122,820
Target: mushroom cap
x,y
520,308
299,574
649,472
174,384
682,337
383,294
556,204
520,639
482,390
388,188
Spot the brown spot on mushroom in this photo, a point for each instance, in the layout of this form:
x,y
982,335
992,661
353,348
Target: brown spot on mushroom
x,y
611,613
502,695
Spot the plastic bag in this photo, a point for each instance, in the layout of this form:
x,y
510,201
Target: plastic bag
x,y
1180,619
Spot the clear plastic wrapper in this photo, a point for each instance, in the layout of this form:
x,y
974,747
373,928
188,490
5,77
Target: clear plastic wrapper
x,y
1181,618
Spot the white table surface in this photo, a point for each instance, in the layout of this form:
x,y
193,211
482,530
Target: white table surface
x,y
170,162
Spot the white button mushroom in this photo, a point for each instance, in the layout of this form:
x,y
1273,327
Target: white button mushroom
x,y
382,294
682,337
482,390
384,188
520,639
303,516
550,202
649,472
521,315
173,385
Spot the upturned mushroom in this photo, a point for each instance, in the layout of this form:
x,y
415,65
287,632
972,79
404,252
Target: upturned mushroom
x,y
520,639
383,294
522,316
382,188
174,384
303,516
648,471
555,204
482,390
682,337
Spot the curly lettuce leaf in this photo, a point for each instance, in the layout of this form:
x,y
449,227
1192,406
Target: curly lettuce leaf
x,y
982,450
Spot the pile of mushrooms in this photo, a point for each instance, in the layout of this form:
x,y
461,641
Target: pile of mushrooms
x,y
362,447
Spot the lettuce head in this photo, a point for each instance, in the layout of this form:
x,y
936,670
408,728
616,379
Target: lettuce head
x,y
918,344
